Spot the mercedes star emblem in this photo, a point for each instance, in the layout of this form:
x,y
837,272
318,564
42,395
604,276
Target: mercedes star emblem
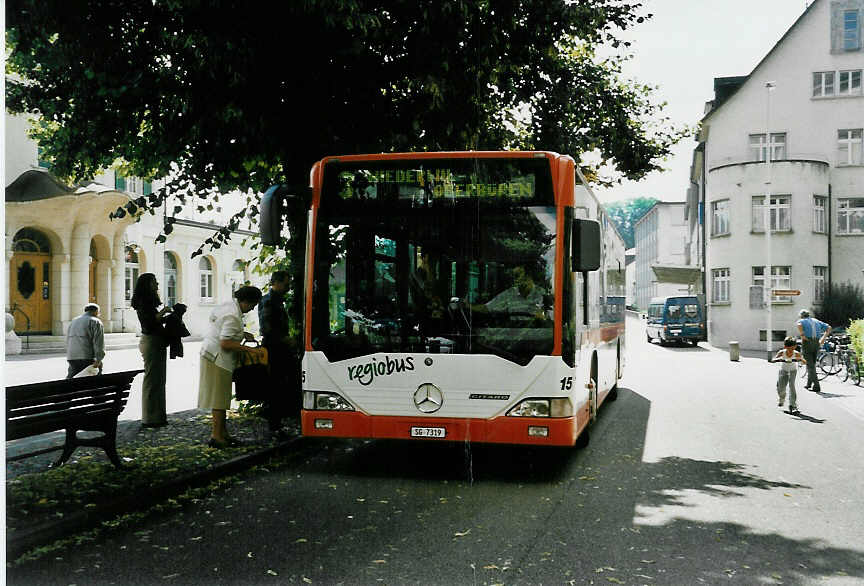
x,y
428,398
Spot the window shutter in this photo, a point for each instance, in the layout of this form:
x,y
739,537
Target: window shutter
x,y
148,188
119,182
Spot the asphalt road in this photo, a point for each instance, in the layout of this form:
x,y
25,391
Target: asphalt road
x,y
694,476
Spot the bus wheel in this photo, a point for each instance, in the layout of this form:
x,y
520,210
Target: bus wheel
x,y
583,439
613,392
648,337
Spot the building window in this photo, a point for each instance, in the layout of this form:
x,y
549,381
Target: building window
x,y
819,214
849,83
170,279
851,30
819,274
132,185
759,148
850,215
781,278
823,84
238,275
720,285
776,335
849,147
779,210
40,158
720,217
131,272
205,270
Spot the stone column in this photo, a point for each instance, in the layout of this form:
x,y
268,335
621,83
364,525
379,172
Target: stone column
x,y
104,292
61,291
9,285
118,286
79,271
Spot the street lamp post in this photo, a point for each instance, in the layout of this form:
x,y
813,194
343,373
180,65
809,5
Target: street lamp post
x,y
766,210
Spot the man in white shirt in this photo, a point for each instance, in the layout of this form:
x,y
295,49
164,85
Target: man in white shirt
x,y
85,341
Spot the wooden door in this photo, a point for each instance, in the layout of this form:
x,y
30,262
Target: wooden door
x,y
30,291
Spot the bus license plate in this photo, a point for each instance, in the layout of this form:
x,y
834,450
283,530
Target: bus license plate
x,y
428,432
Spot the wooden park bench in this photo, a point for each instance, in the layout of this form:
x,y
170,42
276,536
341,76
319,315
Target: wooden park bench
x,y
90,403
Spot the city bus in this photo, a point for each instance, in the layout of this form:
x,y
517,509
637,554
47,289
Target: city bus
x,y
458,296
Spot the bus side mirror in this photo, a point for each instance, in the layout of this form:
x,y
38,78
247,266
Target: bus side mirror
x,y
586,245
272,210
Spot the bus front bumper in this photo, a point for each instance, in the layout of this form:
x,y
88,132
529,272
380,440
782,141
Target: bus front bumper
x,y
504,430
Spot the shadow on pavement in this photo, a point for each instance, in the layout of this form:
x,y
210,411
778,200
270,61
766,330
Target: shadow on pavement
x,y
805,417
678,347
364,512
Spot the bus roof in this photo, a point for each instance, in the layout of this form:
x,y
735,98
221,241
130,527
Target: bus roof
x,y
660,300
443,155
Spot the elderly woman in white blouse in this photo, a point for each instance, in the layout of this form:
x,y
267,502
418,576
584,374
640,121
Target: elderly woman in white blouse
x,y
224,339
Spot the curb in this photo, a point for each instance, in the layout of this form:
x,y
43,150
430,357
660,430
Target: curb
x,y
21,541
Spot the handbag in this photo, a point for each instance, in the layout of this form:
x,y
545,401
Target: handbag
x,y
251,376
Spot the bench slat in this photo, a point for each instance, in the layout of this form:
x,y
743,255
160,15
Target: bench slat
x,y
40,389
80,402
95,394
48,422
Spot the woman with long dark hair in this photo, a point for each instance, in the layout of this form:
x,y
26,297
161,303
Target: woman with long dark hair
x,y
153,345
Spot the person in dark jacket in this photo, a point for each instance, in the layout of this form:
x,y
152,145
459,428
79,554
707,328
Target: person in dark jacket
x,y
273,321
175,330
146,302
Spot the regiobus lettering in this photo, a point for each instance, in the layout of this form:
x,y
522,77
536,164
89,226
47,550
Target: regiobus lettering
x,y
366,373
463,296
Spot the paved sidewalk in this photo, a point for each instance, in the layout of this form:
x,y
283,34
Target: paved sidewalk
x,y
181,389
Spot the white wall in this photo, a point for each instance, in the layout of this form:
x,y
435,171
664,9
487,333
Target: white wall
x,y
811,126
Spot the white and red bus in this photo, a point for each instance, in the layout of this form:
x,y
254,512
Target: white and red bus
x,y
461,296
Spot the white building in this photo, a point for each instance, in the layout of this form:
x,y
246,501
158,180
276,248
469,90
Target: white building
x,y
630,276
660,236
783,146
63,251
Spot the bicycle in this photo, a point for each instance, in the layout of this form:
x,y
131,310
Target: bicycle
x,y
850,367
839,360
828,359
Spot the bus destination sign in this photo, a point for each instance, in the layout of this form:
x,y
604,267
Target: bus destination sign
x,y
435,183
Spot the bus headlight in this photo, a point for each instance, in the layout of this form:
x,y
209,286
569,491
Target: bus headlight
x,y
542,408
322,401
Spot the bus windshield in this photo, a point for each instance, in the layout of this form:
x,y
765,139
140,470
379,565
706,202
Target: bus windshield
x,y
435,256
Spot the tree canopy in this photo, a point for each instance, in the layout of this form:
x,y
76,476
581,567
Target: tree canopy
x,y
626,213
230,96
217,97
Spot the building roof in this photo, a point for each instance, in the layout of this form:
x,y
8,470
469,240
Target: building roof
x,y
34,185
670,273
729,86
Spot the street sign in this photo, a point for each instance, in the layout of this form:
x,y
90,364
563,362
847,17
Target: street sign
x,y
785,292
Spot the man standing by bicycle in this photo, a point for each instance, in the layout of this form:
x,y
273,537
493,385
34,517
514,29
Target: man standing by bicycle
x,y
813,334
